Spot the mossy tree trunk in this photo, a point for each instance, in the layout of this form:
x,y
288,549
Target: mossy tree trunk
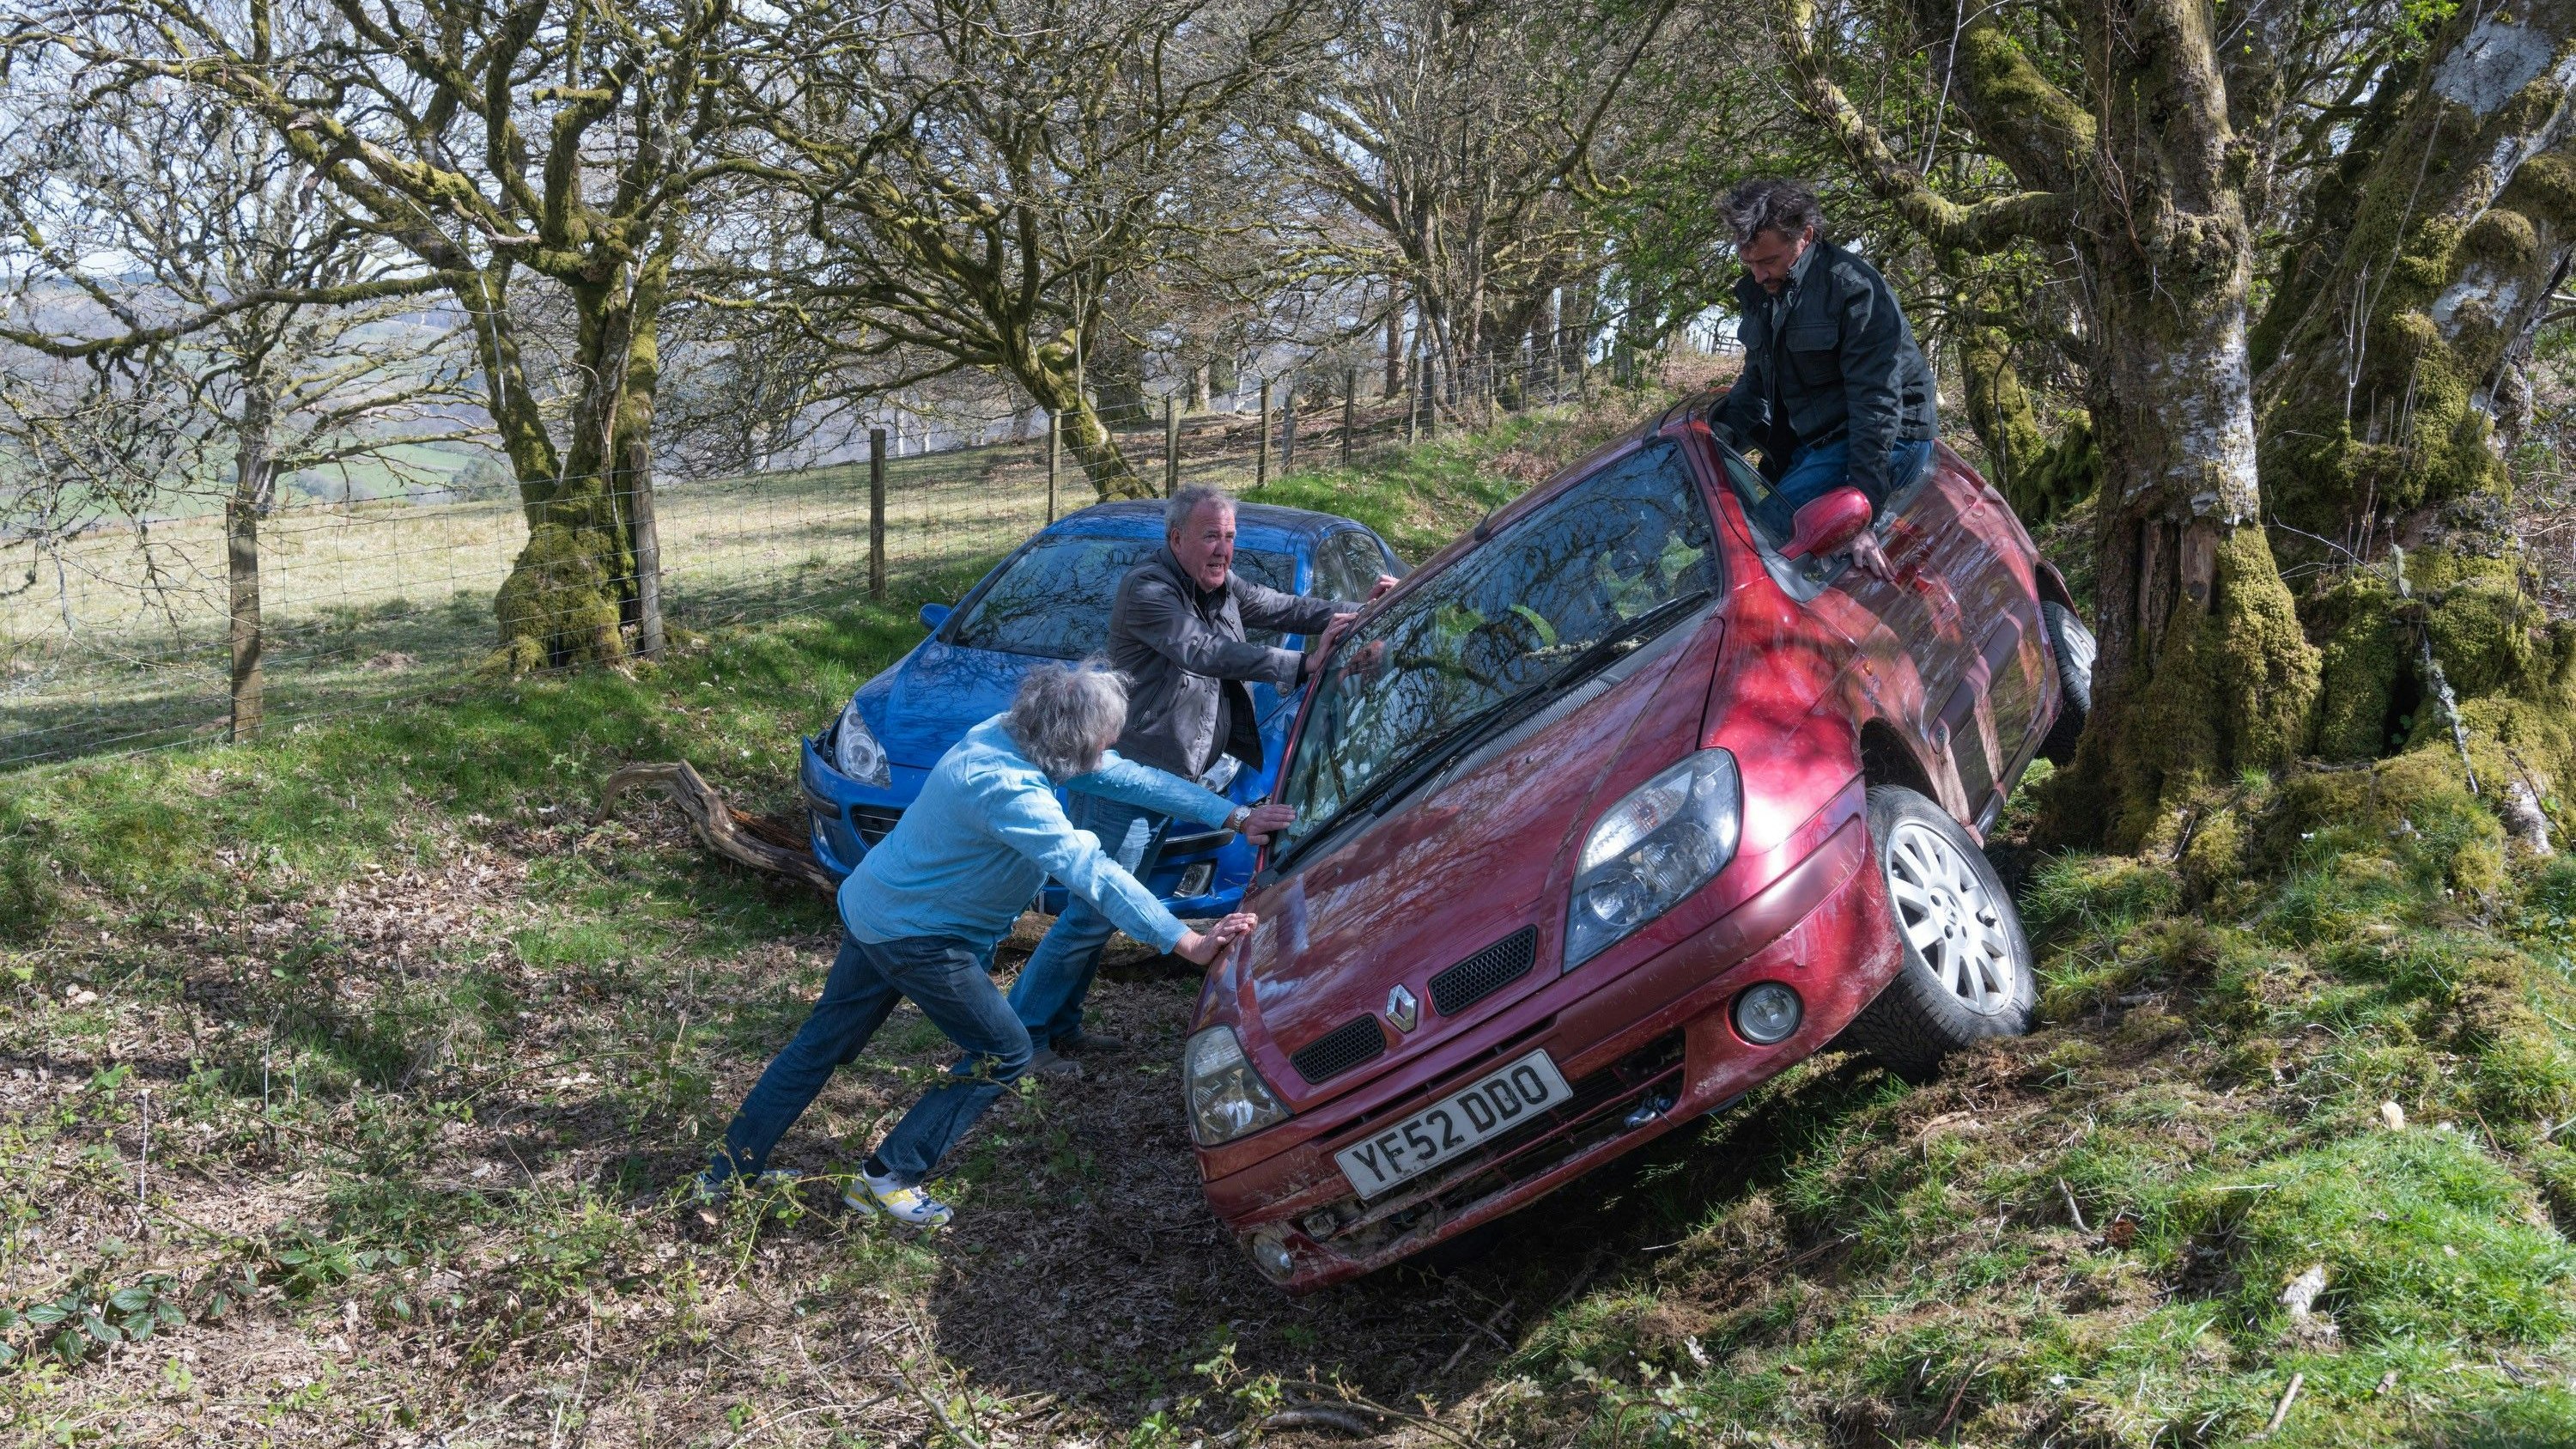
x,y
2431,251
1049,376
2039,478
574,591
2202,670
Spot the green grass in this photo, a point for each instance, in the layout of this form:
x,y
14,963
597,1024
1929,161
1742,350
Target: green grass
x,y
423,1057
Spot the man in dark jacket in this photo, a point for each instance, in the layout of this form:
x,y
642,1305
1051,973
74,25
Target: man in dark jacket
x,y
1834,390
1177,633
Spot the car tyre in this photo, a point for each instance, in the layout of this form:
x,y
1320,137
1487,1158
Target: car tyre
x,y
2072,645
1967,974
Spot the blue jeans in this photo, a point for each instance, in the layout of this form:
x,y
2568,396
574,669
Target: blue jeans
x,y
1817,469
1048,996
947,979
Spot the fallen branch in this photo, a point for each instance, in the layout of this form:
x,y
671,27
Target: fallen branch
x,y
2281,1410
737,835
1316,1416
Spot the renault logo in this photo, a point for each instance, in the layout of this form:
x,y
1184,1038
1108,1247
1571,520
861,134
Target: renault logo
x,y
1402,1009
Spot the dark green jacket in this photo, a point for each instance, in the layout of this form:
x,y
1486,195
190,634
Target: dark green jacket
x,y
1845,362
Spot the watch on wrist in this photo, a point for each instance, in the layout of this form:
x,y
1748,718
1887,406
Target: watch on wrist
x,y
1240,814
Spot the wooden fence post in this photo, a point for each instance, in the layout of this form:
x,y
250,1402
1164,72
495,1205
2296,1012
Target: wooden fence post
x,y
1055,459
648,554
1261,456
241,544
876,512
1288,428
1171,446
1350,411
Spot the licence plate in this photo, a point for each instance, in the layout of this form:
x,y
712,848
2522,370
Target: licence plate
x,y
1501,1100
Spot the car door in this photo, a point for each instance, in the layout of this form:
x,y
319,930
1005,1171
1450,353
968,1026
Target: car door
x,y
1995,703
1909,627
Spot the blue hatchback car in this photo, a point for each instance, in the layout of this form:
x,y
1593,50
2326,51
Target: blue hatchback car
x,y
1050,600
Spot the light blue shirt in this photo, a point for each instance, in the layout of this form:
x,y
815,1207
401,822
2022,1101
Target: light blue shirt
x,y
987,831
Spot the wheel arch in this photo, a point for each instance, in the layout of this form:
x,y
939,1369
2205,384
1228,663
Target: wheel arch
x,y
1885,759
2052,586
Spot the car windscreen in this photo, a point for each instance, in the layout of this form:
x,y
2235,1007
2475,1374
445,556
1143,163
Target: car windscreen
x,y
1053,600
1510,616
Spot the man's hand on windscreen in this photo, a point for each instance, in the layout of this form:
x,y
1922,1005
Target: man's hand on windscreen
x,y
1266,821
1332,635
1378,590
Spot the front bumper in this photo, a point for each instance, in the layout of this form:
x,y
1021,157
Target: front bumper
x,y
1644,1054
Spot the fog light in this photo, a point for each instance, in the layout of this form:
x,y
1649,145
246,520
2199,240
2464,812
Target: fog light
x,y
1196,880
1270,1254
1768,1013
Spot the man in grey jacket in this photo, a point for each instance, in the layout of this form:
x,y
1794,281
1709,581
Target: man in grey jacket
x,y
1834,390
1177,633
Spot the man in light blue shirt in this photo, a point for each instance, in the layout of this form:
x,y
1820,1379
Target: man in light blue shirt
x,y
924,910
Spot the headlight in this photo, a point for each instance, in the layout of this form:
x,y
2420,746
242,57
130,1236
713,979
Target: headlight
x,y
1665,840
1227,1097
856,752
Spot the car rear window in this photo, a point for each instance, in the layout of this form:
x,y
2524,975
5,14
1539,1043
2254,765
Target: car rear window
x,y
1504,617
1054,599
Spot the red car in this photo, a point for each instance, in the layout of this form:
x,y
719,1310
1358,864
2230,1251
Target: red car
x,y
1612,811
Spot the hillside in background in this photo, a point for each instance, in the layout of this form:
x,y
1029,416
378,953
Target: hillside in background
x,y
352,1080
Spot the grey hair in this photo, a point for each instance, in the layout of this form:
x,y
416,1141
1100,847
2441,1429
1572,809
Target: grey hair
x,y
1773,204
1185,501
1061,715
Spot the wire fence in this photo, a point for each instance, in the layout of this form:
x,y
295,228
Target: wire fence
x,y
121,639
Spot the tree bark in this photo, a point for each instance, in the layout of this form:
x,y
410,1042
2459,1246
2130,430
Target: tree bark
x,y
1047,374
2428,257
579,584
2202,670
251,481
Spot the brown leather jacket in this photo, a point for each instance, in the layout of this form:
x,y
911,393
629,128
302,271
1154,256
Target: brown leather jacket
x,y
1186,661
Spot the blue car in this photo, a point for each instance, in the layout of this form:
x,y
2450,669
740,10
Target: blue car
x,y
1050,600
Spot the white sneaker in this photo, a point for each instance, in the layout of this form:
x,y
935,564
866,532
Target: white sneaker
x,y
868,1193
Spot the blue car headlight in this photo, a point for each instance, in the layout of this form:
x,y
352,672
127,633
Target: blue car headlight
x,y
1661,842
856,753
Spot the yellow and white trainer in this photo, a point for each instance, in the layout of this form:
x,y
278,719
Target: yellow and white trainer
x,y
868,1193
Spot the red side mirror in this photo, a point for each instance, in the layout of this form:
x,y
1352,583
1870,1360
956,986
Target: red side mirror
x,y
1827,523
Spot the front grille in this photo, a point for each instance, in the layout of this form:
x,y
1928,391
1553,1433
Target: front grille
x,y
1486,972
874,821
1337,1051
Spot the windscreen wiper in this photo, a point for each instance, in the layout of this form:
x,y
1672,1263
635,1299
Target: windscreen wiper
x,y
1627,636
1396,783
1443,748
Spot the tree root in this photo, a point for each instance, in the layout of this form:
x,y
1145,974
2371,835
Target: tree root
x,y
737,835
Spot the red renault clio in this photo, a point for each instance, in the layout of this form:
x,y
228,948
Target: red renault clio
x,y
1619,806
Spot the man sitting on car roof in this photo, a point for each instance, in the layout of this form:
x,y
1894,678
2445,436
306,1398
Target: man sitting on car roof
x,y
1834,390
922,912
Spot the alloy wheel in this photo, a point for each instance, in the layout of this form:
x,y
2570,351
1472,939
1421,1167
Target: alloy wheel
x,y
1949,916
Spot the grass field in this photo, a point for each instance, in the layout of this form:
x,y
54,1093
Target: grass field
x,y
350,1081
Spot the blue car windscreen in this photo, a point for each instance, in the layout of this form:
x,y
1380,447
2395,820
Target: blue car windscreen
x,y
1054,599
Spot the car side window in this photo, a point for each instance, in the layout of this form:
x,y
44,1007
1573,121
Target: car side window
x,y
1346,567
